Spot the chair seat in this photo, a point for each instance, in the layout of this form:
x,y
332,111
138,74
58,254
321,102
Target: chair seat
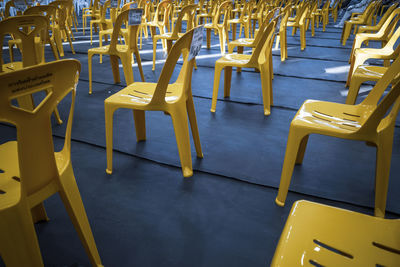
x,y
16,65
140,94
370,73
383,53
236,21
10,183
332,119
10,187
105,49
248,42
234,60
332,236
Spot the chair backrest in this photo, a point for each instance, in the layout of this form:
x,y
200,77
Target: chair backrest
x,y
49,12
61,12
388,14
34,135
133,32
285,16
224,9
188,12
376,120
263,38
26,28
164,9
180,47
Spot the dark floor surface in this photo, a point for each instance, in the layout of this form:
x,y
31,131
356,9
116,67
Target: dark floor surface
x,y
147,214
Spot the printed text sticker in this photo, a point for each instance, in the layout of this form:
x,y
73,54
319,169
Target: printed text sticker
x,y
197,42
135,16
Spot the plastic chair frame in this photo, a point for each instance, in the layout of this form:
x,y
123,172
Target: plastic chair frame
x,y
365,121
123,52
321,235
178,104
260,59
32,179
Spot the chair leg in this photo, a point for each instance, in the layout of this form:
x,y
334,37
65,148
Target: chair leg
x,y
154,53
217,75
90,55
181,127
126,61
109,116
54,49
354,88
70,41
193,125
18,241
278,38
302,150
115,68
266,88
139,63
292,150
39,213
140,125
72,200
57,37
208,38
313,26
346,32
239,51
227,80
100,45
382,172
302,37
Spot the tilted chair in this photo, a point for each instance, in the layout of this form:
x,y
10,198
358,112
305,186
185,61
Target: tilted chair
x,y
321,235
258,59
174,99
31,171
123,52
365,122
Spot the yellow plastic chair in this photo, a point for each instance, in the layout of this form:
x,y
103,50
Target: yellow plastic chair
x,y
31,44
189,12
334,10
300,22
163,9
281,38
363,19
362,74
27,180
61,28
384,30
386,53
123,52
258,59
174,99
50,13
322,14
223,11
365,121
92,13
244,20
320,235
101,20
207,14
241,43
107,31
